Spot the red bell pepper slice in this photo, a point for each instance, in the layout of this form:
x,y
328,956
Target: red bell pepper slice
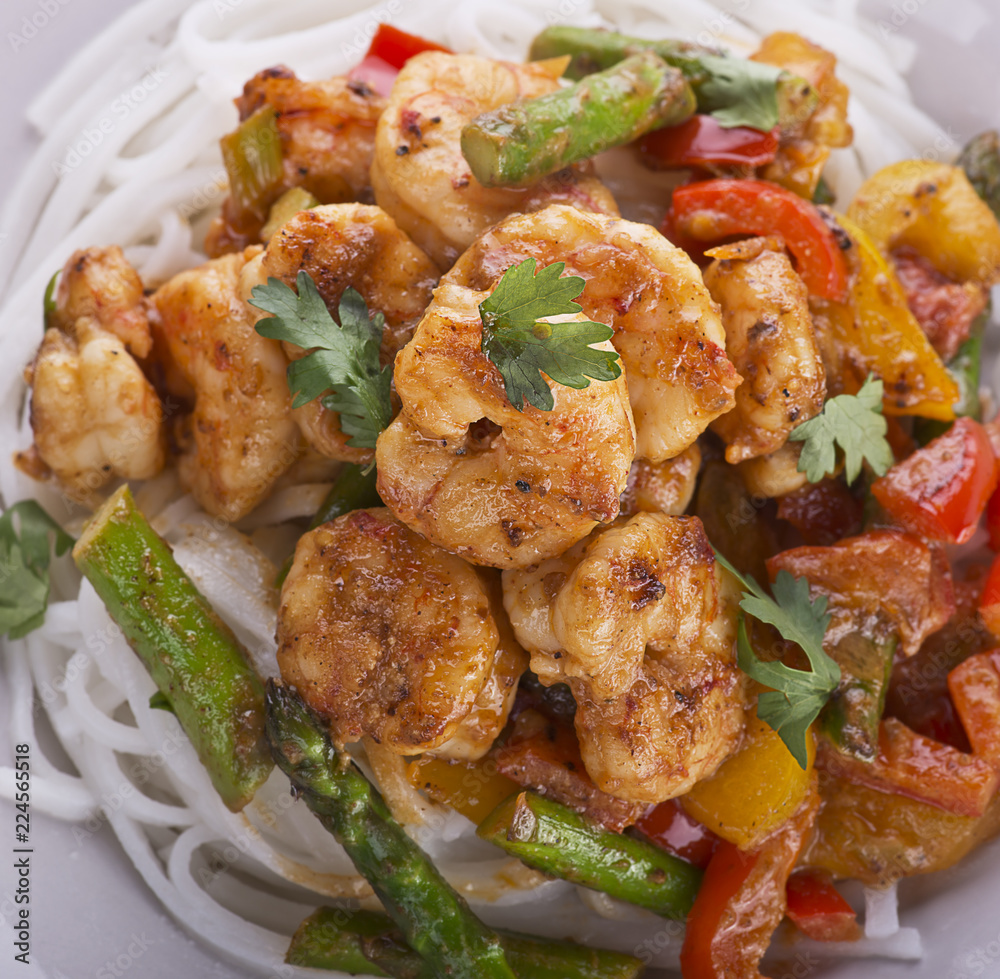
x,y
993,519
941,490
712,210
975,688
911,765
702,141
390,49
670,827
818,910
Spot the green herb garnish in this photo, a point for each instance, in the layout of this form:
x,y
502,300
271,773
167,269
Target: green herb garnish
x,y
855,423
522,347
797,696
738,92
24,566
344,358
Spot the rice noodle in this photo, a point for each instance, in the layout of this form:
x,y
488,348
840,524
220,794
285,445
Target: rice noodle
x,y
143,186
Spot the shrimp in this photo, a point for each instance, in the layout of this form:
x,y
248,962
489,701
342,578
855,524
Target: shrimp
x,y
390,637
471,473
769,337
327,131
641,623
662,487
419,174
357,245
94,414
240,436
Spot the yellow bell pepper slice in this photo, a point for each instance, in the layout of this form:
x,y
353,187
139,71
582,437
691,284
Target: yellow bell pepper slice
x,y
932,208
884,337
473,788
754,791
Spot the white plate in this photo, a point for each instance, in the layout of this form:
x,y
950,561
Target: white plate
x,y
92,915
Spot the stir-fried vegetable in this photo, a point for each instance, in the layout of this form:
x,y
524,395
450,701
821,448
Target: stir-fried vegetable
x,y
192,655
818,910
389,50
735,91
523,141
715,209
369,942
941,490
702,141
253,160
553,838
435,921
980,159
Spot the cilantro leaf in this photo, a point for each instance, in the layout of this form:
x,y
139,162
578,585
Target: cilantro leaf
x,y
522,348
855,423
738,92
48,300
344,360
797,696
24,566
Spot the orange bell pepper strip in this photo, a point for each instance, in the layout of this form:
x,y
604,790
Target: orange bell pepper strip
x,y
941,490
818,910
741,902
911,765
975,689
473,788
712,210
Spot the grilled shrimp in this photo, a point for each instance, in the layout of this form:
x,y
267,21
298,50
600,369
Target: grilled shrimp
x,y
640,621
662,487
419,174
342,245
94,414
240,437
463,467
769,337
327,131
391,637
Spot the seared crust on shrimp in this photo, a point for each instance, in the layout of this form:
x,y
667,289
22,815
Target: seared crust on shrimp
x,y
467,470
667,327
419,174
640,622
94,415
769,337
662,487
240,437
357,245
385,634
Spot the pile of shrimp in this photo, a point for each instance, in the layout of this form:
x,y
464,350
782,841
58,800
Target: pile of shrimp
x,y
507,537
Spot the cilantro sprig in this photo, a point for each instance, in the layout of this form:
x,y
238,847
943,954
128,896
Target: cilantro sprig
x,y
24,566
740,92
523,348
344,360
797,696
855,423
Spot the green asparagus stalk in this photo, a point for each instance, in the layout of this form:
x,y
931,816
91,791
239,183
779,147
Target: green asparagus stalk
x,y
523,141
353,489
253,160
191,654
285,208
435,921
553,838
367,941
852,715
736,91
980,159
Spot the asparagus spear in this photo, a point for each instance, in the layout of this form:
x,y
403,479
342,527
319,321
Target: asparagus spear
x,y
435,921
523,141
366,941
980,159
852,715
353,489
737,91
196,661
553,838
